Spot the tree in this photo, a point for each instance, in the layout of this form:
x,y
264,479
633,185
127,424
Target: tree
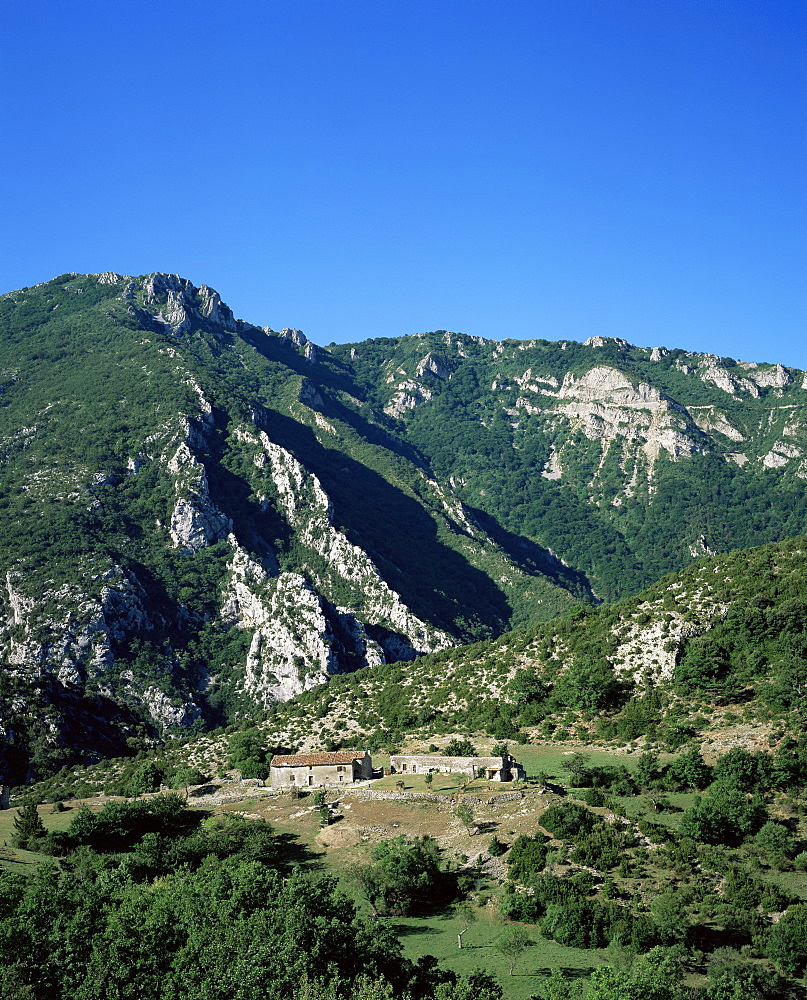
x,y
465,815
478,986
739,769
579,772
588,684
527,856
724,816
28,826
746,984
655,976
777,842
459,748
466,914
648,769
249,754
787,941
689,770
147,778
671,917
187,776
404,871
366,878
560,988
512,944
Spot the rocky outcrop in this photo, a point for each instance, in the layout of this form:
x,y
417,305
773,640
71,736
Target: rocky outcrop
x,y
712,371
407,396
709,419
176,303
781,454
433,365
283,481
605,405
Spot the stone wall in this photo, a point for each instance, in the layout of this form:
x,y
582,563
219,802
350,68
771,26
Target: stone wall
x,y
367,794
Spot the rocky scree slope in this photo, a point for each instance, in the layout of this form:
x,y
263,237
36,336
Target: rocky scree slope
x,y
200,518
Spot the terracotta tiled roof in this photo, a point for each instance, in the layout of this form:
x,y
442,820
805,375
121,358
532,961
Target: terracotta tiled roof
x,y
306,759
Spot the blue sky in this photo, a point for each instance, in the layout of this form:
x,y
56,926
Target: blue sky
x,y
505,168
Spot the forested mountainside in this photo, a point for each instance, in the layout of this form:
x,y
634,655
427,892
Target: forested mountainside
x,y
203,517
627,462
199,519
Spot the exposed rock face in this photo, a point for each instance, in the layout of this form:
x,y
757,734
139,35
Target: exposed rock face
x,y
780,455
712,371
432,365
179,304
777,375
709,419
605,405
409,394
294,336
307,508
195,521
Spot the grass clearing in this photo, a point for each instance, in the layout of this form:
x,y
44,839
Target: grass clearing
x,y
437,935
15,860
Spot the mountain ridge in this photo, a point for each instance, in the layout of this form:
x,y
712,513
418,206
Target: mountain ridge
x,y
203,516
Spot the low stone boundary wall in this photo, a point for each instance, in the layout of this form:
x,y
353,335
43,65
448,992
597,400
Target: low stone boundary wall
x,y
504,798
228,795
379,794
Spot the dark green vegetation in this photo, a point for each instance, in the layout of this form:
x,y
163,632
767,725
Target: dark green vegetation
x,y
704,882
495,418
678,878
150,899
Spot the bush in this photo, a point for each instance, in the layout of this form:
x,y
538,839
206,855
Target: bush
x,y
28,826
724,816
460,748
496,848
787,941
527,857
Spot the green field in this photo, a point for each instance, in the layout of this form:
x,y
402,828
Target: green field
x,y
437,936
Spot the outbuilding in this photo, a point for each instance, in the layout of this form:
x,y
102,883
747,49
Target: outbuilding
x,y
310,770
489,768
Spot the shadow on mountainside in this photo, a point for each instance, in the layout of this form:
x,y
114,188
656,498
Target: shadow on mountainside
x,y
436,582
534,559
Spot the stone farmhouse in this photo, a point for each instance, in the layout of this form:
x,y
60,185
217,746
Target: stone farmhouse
x,y
489,768
307,770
